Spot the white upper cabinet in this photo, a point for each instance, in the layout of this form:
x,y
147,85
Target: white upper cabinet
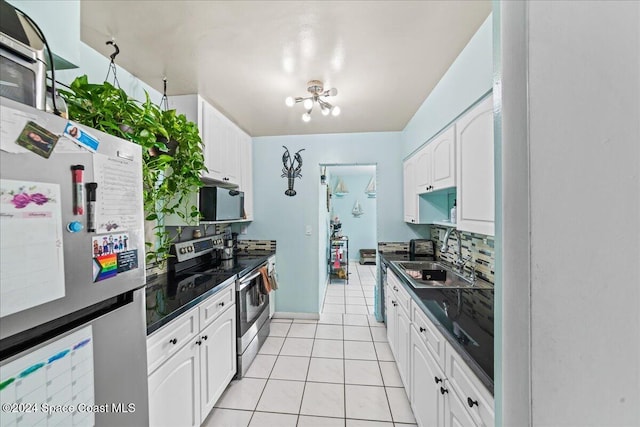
x,y
410,195
220,136
227,151
221,139
475,169
246,174
436,163
423,161
443,164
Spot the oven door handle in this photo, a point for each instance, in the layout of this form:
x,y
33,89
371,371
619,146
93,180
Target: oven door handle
x,y
246,281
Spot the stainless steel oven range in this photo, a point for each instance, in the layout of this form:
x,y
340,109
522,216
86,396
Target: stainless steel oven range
x,y
200,264
252,310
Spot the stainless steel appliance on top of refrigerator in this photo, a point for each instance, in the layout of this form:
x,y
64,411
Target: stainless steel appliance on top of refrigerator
x,y
72,325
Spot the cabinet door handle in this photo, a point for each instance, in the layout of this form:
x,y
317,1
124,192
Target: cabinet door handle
x,y
204,337
437,380
173,341
422,329
471,402
199,342
394,303
443,390
395,288
221,304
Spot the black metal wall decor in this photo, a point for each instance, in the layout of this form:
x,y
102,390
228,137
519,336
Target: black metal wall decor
x,y
291,169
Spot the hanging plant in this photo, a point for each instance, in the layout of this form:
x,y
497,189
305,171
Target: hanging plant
x,y
172,151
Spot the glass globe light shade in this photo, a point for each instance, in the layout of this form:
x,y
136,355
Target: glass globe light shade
x,y
335,111
289,101
306,117
308,104
332,92
325,111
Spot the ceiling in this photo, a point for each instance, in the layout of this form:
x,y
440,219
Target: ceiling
x,y
246,57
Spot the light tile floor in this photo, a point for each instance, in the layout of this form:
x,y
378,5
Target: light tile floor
x,y
337,371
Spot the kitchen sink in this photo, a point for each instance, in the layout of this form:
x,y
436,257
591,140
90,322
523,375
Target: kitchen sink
x,y
431,274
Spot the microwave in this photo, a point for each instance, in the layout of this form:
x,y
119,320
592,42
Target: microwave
x,y
22,62
221,204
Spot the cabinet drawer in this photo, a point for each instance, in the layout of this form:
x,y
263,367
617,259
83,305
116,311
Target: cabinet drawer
x,y
469,388
400,293
170,338
212,307
431,337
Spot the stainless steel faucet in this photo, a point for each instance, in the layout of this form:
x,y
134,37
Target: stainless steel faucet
x,y
460,262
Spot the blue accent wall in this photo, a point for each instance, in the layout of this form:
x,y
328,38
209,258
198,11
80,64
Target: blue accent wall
x,y
283,218
360,230
277,216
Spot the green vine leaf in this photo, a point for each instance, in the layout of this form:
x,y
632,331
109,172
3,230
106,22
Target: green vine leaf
x,y
173,158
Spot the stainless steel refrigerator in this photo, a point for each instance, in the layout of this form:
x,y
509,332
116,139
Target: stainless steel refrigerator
x,y
72,274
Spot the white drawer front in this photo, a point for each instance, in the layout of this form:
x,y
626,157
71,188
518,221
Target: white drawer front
x,y
214,306
401,295
170,338
476,398
431,337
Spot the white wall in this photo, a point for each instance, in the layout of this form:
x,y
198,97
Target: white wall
x,y
581,133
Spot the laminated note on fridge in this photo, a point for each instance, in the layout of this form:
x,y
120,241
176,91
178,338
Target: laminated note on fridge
x,y
32,261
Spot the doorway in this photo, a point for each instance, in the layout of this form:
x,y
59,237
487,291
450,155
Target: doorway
x,y
348,212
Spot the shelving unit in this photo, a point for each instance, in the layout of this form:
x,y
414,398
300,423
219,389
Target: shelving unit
x,y
338,259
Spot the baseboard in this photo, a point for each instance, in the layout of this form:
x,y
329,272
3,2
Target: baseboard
x,y
291,315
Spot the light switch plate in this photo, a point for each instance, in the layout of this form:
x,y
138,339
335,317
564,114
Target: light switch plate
x,y
307,230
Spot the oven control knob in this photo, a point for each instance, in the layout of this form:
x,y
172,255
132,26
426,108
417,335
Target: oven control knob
x,y
190,249
183,250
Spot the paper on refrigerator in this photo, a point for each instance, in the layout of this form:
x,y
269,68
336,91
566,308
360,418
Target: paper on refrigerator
x,y
31,250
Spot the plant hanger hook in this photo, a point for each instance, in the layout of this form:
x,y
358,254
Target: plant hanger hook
x,y
117,50
112,64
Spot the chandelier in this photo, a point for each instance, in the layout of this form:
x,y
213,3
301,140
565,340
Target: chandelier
x,y
316,89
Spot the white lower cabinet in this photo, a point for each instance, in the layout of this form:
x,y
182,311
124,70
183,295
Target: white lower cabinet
x,y
426,400
174,390
457,415
186,383
398,327
442,389
217,359
402,342
475,398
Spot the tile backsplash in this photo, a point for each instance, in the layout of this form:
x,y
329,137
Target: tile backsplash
x,y
480,247
247,246
393,247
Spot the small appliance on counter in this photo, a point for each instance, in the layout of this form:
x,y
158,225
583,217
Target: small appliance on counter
x,y
421,250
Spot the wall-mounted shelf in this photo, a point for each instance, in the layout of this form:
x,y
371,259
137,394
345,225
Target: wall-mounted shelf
x,y
444,224
225,222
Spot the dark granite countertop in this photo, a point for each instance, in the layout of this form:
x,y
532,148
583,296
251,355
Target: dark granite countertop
x,y
168,296
466,323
